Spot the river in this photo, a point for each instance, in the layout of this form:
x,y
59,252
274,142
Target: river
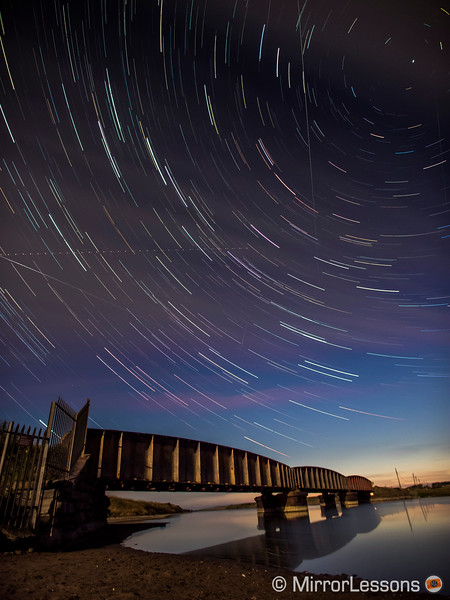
x,y
400,540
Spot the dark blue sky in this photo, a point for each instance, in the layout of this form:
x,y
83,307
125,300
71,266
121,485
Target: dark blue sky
x,y
229,221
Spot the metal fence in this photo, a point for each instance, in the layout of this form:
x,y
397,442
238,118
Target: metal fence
x,y
22,470
79,434
67,437
31,460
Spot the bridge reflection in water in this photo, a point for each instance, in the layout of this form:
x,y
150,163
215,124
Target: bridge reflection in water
x,y
287,543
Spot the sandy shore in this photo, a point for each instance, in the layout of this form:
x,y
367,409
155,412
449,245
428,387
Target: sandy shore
x,y
104,570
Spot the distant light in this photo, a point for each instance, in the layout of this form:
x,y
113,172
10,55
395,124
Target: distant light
x,y
412,60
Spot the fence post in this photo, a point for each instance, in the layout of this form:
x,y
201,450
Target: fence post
x,y
5,447
38,492
22,482
51,418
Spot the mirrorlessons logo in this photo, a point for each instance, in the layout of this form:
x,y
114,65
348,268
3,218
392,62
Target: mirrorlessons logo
x,y
433,584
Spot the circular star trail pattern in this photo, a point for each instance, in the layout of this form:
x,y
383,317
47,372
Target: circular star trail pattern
x,y
228,220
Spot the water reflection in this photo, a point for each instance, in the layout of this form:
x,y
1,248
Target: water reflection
x,y
392,540
288,542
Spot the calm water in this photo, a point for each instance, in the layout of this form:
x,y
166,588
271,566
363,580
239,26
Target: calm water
x,y
391,540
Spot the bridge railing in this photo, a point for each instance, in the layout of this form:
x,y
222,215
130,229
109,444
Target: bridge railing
x,y
151,461
165,460
318,478
358,483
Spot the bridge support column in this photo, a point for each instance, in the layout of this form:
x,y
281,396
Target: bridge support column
x,y
327,500
197,465
296,503
232,472
216,473
176,462
278,476
348,499
119,455
267,473
245,469
148,467
363,497
288,504
257,471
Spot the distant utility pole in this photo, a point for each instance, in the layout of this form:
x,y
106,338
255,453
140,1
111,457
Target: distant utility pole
x,y
398,478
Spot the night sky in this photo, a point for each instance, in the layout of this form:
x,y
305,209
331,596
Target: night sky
x,y
228,220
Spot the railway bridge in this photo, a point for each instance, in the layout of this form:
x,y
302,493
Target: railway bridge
x,y
54,482
144,461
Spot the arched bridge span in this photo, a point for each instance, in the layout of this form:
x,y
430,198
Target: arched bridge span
x,y
130,460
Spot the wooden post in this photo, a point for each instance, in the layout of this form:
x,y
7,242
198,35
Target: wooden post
x,y
38,491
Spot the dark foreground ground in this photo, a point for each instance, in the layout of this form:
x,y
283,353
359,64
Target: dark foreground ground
x,y
104,570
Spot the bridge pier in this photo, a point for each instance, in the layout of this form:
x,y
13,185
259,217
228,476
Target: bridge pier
x,y
327,500
348,499
363,497
289,504
354,498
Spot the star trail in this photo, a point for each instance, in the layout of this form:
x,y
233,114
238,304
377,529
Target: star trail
x,y
229,220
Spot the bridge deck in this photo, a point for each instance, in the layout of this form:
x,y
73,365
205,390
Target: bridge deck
x,y
130,460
